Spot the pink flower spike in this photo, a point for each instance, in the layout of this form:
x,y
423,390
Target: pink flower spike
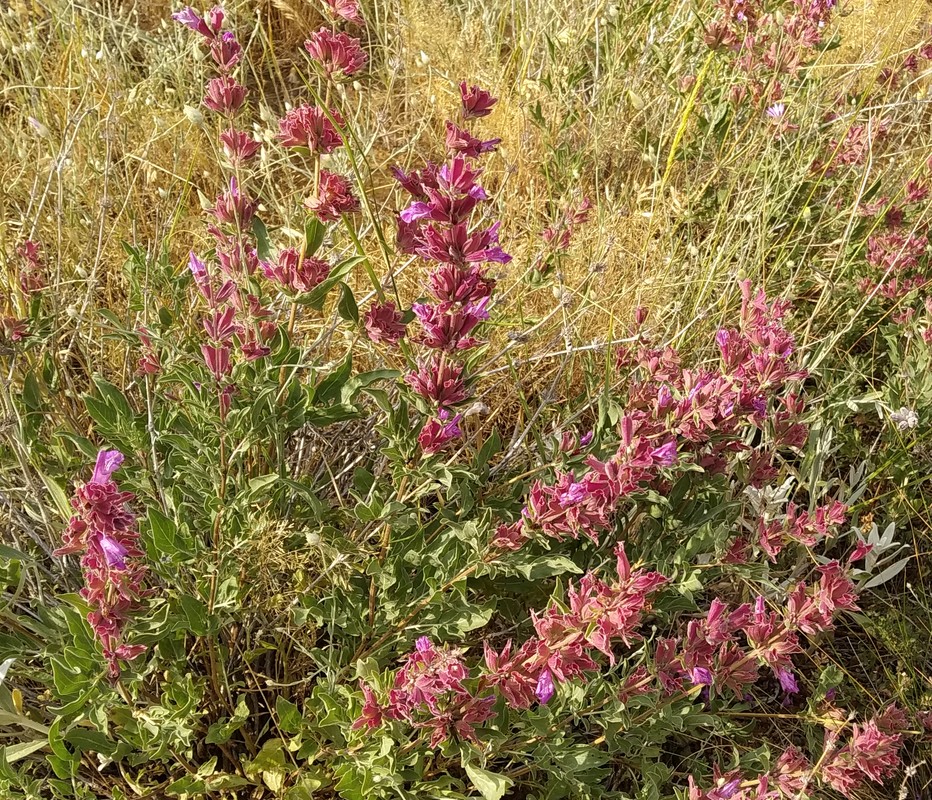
x,y
438,433
476,102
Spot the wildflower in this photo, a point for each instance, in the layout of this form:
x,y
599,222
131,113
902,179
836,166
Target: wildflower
x,y
217,358
295,272
226,51
439,381
208,25
452,284
545,689
476,102
102,531
238,146
346,9
308,126
149,363
340,55
225,95
383,323
334,197
371,716
233,207
872,753
464,143
439,432
448,328
32,276
510,537
455,245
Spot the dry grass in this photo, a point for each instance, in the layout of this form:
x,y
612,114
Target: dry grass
x,y
114,157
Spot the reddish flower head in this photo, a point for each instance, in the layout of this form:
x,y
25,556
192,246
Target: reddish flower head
x,y
439,381
334,197
224,95
308,126
383,323
346,9
238,146
340,55
476,102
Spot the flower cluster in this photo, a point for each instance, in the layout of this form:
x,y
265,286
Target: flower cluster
x,y
768,49
438,226
871,754
235,315
713,654
103,531
33,273
676,415
430,689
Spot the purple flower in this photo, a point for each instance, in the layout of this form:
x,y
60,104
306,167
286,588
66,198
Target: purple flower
x,y
423,644
438,433
701,676
787,681
545,689
191,19
108,462
113,551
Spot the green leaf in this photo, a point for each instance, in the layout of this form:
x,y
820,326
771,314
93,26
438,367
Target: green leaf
x,y
289,717
220,732
331,387
357,383
263,246
15,752
544,567
196,612
314,231
58,496
490,785
165,536
347,307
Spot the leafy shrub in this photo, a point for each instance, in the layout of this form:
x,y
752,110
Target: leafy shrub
x,y
302,567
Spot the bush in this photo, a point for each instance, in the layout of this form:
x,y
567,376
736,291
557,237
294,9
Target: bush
x,y
341,564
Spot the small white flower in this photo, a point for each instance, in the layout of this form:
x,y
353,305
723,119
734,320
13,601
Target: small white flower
x,y
905,419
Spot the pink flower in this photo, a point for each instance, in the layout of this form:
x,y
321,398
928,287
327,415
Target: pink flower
x,y
208,25
149,363
308,126
447,327
438,432
371,716
226,51
217,359
464,143
225,95
455,245
476,102
233,207
439,381
32,276
345,9
340,55
545,688
383,323
333,199
452,284
295,272
238,146
510,537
